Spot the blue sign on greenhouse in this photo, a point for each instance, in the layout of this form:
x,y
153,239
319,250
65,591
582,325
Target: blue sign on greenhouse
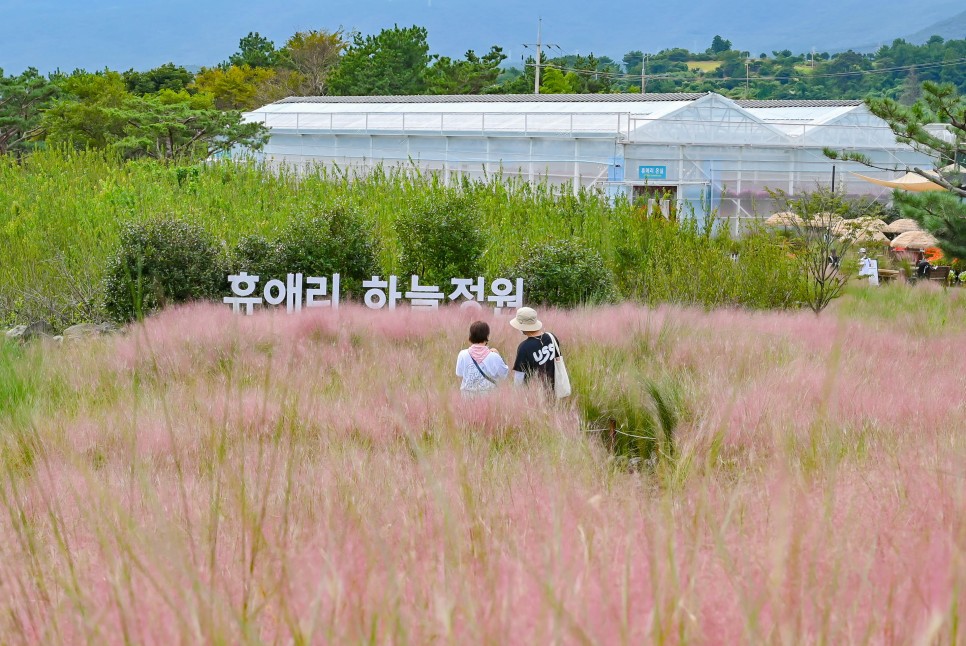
x,y
652,172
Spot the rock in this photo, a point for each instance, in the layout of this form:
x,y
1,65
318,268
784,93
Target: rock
x,y
43,330
86,330
16,332
36,330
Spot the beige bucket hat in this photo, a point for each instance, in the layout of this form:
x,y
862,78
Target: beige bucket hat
x,y
526,320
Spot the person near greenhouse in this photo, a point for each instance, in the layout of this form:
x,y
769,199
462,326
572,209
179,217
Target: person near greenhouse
x,y
479,366
536,353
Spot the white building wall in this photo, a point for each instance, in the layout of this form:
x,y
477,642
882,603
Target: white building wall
x,y
713,151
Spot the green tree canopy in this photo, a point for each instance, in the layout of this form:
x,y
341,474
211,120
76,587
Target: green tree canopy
x,y
470,75
393,62
166,77
84,116
633,60
718,45
311,57
587,74
254,50
515,80
178,126
98,112
235,87
22,101
553,81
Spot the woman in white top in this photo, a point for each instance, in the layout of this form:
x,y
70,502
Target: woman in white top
x,y
480,367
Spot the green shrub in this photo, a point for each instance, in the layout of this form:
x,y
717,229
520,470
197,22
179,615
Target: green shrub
x,y
564,273
441,238
688,262
257,255
187,176
763,276
161,262
338,242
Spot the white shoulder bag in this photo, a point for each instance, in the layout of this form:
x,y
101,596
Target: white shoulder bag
x,y
561,380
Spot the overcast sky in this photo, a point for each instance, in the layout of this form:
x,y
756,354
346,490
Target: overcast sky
x,y
92,34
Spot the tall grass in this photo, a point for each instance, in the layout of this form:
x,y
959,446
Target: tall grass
x,y
317,478
61,213
924,308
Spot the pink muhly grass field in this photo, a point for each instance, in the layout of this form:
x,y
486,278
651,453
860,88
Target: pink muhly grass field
x,y
317,478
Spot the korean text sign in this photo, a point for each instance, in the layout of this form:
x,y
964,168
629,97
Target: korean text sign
x,y
298,291
652,172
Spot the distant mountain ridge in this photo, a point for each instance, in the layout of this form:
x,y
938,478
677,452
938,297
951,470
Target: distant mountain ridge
x,y
97,33
952,29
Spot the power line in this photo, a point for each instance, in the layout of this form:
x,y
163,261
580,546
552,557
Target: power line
x,y
682,75
685,76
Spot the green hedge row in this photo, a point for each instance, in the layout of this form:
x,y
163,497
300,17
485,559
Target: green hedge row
x,y
71,224
168,260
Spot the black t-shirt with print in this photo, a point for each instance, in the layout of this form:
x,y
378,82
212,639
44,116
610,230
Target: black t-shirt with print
x,y
535,356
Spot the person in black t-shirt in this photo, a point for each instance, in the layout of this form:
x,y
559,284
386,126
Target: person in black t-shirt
x,y
535,356
922,266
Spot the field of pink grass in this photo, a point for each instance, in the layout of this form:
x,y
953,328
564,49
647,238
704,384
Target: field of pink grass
x,y
318,479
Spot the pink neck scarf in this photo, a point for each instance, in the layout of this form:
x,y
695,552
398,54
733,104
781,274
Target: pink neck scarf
x,y
479,352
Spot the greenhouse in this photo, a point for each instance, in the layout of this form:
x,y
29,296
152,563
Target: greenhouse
x,y
702,150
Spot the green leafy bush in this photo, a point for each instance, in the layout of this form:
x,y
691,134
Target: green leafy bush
x,y
441,238
161,262
338,242
257,255
564,273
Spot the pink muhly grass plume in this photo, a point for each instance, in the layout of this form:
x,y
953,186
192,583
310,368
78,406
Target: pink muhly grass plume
x,y
319,478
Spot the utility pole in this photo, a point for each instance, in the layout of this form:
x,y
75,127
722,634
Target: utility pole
x,y
536,78
644,74
539,45
747,76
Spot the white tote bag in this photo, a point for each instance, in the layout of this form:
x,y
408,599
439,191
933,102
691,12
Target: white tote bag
x,y
561,380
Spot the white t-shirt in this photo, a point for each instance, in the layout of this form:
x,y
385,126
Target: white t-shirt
x,y
493,365
870,268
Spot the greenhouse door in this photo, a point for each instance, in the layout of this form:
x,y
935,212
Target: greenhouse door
x,y
656,197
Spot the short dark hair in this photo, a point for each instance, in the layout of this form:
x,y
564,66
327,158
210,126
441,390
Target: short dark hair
x,y
479,332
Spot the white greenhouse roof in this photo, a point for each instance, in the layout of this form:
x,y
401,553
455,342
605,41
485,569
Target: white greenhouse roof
x,y
790,119
689,118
